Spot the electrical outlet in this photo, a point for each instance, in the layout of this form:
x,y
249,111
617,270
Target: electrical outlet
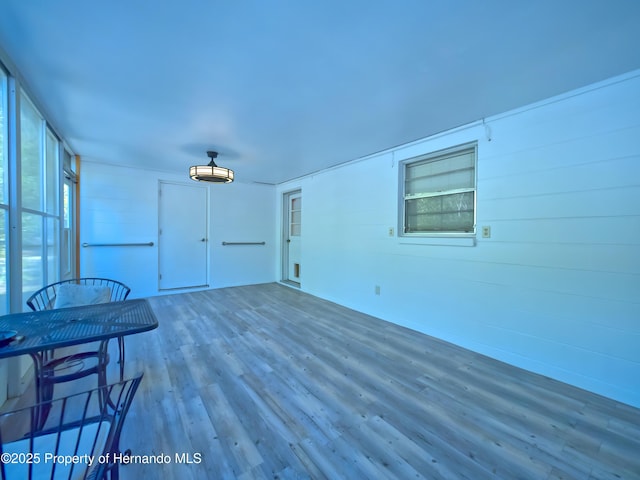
x,y
377,289
486,231
391,231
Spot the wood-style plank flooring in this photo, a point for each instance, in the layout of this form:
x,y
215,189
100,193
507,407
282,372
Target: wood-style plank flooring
x,y
267,382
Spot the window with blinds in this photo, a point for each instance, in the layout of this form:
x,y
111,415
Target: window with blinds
x,y
439,192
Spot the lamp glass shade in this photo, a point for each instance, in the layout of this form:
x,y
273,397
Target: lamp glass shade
x,y
210,173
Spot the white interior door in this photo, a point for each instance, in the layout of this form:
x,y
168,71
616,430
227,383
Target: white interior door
x,y
292,236
182,239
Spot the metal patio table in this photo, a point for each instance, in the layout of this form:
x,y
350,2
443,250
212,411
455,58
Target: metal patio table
x,y
46,330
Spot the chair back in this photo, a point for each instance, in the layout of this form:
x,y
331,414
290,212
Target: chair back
x,y
80,439
45,298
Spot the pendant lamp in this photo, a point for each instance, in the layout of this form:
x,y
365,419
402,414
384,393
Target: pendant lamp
x,y
211,172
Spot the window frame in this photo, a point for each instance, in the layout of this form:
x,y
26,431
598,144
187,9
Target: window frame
x,y
403,198
13,208
4,196
46,211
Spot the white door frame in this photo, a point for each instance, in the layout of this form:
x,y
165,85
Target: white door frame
x,y
286,240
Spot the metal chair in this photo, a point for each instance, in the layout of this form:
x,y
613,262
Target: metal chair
x,y
80,439
67,368
45,298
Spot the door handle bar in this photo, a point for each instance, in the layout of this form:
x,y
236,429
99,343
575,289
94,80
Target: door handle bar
x,y
224,244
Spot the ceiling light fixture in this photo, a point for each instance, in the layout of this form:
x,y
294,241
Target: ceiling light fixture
x,y
211,172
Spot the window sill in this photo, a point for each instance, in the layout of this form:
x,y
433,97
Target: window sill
x,y
466,241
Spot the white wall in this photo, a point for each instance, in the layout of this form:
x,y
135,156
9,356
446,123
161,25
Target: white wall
x,y
120,205
555,290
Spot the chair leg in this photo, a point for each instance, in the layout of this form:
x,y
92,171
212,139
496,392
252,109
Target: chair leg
x,y
115,472
43,389
103,360
46,397
121,356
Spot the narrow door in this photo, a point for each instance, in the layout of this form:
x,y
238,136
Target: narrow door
x,y
292,235
182,239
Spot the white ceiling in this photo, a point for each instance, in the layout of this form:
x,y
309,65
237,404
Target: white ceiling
x,y
282,88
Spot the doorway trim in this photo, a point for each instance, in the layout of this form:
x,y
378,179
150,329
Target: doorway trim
x,y
284,238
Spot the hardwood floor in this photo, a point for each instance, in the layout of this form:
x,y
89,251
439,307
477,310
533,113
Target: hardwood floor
x,y
268,382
